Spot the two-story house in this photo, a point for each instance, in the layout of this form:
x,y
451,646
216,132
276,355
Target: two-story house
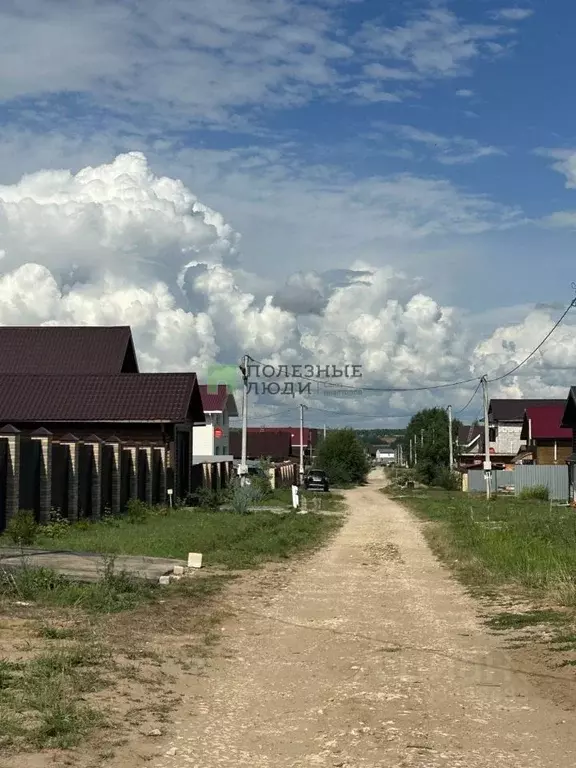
x,y
506,418
213,438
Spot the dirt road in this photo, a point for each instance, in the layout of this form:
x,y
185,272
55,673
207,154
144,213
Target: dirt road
x,y
370,655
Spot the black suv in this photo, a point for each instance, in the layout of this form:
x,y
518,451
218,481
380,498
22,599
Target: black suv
x,y
316,480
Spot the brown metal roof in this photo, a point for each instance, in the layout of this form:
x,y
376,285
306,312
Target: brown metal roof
x,y
127,397
513,410
62,349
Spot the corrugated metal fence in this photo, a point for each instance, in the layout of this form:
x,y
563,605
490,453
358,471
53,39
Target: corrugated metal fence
x,y
555,478
501,478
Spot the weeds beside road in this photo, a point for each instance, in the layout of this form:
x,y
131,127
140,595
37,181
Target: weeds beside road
x,y
518,553
77,660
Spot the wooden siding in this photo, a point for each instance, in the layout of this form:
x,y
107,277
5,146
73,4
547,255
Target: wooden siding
x,y
545,451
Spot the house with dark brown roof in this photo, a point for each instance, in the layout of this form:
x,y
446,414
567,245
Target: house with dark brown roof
x,y
59,349
138,408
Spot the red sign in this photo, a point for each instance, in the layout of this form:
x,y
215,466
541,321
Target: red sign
x,y
218,432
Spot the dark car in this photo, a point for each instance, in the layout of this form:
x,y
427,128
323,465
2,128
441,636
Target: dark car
x,y
316,480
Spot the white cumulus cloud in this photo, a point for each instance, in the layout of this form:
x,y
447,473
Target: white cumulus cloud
x,y
117,244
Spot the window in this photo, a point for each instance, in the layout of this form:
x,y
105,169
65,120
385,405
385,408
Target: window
x,y
492,434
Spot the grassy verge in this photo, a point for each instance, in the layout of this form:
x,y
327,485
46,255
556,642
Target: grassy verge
x,y
225,538
67,647
519,553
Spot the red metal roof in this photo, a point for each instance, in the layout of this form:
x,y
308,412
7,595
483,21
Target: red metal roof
x,y
276,445
218,400
127,397
545,423
64,349
310,434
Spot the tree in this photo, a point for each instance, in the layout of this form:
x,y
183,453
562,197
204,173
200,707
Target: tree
x,y
428,430
341,455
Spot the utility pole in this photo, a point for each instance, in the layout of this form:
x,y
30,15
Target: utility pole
x,y
487,462
411,454
421,437
324,431
243,468
450,438
302,406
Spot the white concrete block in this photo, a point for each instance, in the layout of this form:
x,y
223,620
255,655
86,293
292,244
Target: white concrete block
x,y
164,580
178,570
194,560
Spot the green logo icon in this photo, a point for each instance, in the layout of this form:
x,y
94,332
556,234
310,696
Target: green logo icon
x,y
222,374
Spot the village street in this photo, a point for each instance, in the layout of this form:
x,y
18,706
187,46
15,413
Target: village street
x,y
369,654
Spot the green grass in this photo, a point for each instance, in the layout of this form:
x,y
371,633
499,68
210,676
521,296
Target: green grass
x,y
505,541
111,594
41,704
224,538
282,497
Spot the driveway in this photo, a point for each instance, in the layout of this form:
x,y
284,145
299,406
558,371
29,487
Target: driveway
x,y
368,655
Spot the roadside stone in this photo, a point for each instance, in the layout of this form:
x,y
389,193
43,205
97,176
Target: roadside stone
x,y
194,560
171,752
178,570
154,732
164,580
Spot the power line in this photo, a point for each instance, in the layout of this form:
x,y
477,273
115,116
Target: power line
x,y
471,399
544,340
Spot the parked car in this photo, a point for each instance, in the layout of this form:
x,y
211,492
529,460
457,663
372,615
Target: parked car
x,y
316,480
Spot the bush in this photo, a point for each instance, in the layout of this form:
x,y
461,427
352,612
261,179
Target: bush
x,y
341,455
22,528
56,525
539,492
137,511
445,478
210,499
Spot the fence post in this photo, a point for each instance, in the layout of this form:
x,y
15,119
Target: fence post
x,y
116,444
149,478
12,436
96,444
44,437
162,468
133,491
73,445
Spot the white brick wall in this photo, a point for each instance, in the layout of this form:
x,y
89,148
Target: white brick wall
x,y
507,438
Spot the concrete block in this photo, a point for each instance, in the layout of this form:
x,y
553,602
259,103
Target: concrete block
x,y
164,580
178,570
194,560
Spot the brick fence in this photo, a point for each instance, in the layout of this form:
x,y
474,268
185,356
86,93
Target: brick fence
x,y
83,479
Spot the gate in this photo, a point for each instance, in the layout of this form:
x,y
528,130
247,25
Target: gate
x,y
86,468
30,468
142,473
3,481
60,477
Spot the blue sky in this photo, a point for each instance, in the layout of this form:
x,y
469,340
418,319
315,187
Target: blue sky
x,y
432,138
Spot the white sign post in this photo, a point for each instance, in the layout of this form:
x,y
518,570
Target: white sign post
x,y
295,499
170,493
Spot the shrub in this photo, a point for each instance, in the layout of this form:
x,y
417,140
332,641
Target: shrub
x,y
56,525
539,492
137,511
22,528
445,478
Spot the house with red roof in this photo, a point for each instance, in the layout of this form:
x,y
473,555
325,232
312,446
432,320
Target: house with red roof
x,y
213,438
547,441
